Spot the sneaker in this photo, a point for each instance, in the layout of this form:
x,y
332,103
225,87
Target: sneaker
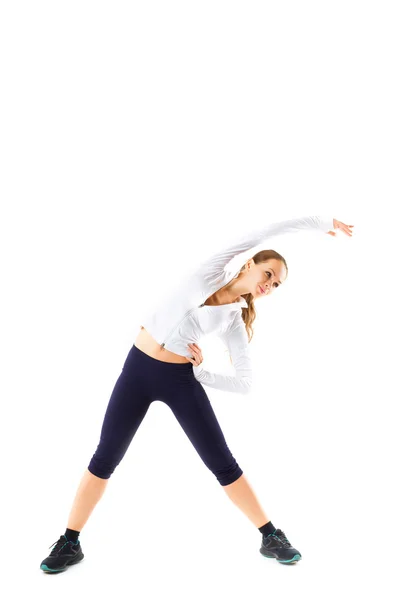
x,y
276,545
64,554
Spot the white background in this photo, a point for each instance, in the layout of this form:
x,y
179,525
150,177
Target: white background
x,y
136,138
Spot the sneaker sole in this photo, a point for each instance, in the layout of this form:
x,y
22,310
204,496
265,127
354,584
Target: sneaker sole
x,y
74,561
289,561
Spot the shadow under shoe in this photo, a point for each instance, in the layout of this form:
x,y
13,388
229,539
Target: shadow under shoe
x,y
276,545
64,554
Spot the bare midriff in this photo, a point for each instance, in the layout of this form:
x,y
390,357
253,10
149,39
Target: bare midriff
x,y
147,344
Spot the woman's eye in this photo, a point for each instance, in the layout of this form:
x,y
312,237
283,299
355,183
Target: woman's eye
x,y
268,273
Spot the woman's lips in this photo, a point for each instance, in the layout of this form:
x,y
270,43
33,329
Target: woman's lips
x,y
261,289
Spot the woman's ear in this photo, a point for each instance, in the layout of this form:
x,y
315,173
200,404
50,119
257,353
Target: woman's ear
x,y
249,263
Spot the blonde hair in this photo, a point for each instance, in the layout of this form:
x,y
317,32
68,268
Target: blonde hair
x,y
249,314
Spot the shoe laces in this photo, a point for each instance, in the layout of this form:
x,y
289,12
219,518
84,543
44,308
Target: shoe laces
x,y
282,537
58,545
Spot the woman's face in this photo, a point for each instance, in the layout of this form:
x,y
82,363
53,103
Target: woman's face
x,y
266,277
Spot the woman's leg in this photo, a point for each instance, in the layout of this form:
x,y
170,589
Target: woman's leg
x,y
128,404
241,494
90,490
192,408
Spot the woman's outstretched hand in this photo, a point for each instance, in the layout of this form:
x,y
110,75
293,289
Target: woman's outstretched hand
x,y
197,355
342,226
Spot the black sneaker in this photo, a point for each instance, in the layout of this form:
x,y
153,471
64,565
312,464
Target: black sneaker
x,y
64,554
276,545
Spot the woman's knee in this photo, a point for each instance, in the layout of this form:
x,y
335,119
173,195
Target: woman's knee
x,y
228,474
102,467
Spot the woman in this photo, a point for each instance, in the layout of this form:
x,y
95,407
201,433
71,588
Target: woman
x,y
164,364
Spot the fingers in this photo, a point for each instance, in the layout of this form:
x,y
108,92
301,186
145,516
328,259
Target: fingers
x,y
346,228
343,227
197,355
196,352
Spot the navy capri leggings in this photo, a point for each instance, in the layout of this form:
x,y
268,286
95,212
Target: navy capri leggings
x,y
144,379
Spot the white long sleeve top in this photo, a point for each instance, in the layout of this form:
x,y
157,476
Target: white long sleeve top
x,y
183,318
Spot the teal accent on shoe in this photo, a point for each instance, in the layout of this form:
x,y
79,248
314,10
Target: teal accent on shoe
x,y
295,558
46,568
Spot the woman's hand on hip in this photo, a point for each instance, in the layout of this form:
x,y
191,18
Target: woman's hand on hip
x,y
342,226
197,355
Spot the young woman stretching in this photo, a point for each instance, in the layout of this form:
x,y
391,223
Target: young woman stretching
x,y
164,364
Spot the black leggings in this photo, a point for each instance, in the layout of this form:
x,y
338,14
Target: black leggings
x,y
144,379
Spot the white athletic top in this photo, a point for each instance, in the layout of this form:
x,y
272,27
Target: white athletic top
x,y
183,318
